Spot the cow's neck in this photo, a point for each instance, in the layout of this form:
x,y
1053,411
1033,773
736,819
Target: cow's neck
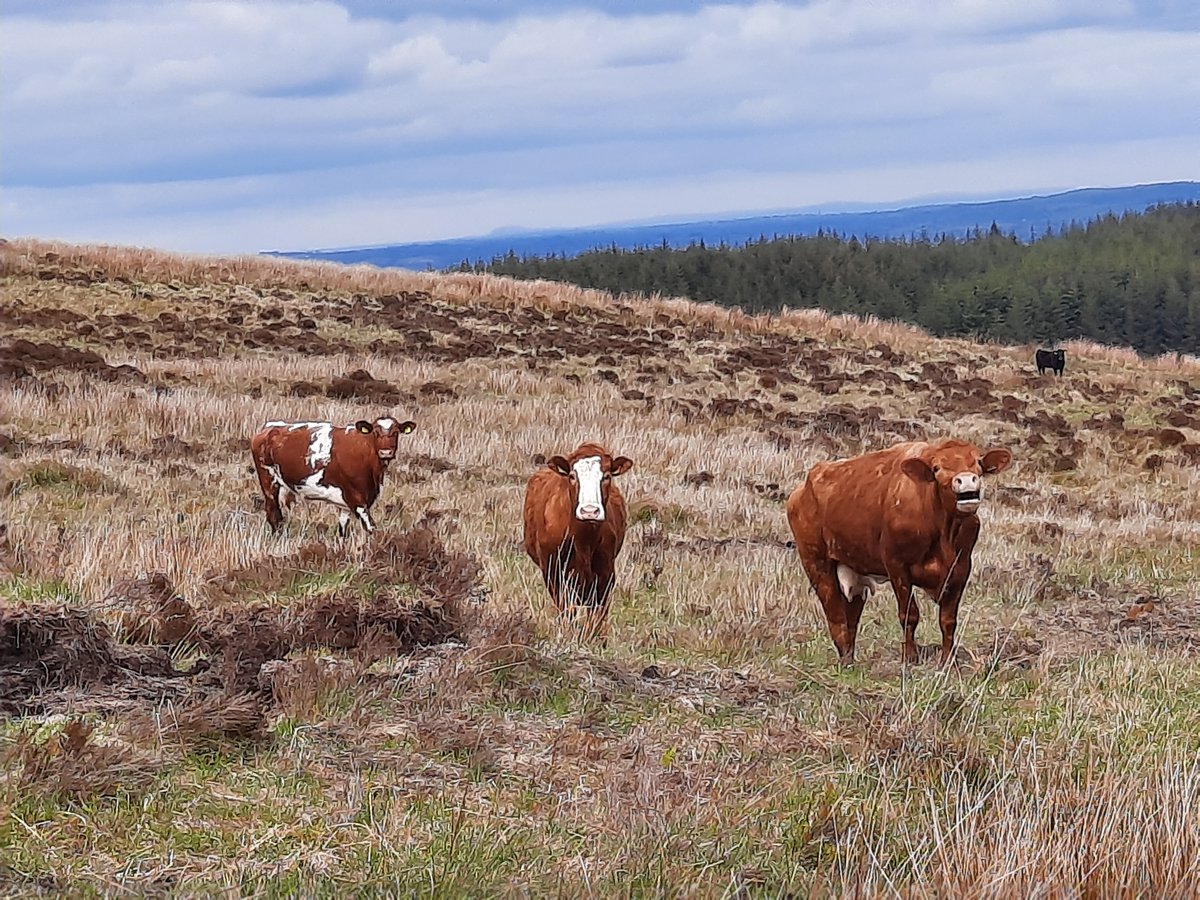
x,y
377,467
962,532
583,535
954,523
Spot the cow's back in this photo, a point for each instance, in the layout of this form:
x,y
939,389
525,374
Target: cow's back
x,y
844,506
276,442
285,448
864,483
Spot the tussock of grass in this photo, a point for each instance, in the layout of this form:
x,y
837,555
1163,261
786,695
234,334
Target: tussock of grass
x,y
211,719
56,475
69,762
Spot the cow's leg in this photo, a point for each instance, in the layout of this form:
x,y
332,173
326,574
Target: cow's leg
x,y
552,577
565,581
274,511
270,488
343,522
606,579
909,612
948,605
854,610
551,567
948,619
364,516
285,498
839,616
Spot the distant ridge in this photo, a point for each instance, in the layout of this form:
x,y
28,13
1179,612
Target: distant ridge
x,y
1025,217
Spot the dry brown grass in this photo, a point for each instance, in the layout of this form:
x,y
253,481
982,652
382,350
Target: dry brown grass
x,y
712,746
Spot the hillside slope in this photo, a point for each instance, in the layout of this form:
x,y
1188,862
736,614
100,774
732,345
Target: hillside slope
x,y
407,710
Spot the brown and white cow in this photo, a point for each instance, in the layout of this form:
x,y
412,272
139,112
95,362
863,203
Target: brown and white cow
x,y
574,527
906,515
339,464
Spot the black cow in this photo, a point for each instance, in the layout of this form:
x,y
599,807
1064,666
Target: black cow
x,y
1054,360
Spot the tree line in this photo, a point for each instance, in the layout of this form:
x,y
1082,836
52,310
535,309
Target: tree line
x,y
1132,279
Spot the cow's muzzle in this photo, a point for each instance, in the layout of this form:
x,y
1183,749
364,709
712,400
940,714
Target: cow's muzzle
x,y
387,454
967,501
590,513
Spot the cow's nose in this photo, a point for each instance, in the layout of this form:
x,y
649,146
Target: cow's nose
x,y
595,513
966,481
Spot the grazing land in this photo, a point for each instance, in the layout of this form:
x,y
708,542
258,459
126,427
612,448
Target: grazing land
x,y
193,704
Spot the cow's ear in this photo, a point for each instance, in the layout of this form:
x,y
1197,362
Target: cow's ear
x,y
995,461
917,469
559,465
364,427
408,427
621,465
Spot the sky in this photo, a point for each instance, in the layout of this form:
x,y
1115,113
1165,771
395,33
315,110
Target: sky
x,y
233,127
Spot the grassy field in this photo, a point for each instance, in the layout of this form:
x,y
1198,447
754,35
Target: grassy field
x,y
194,705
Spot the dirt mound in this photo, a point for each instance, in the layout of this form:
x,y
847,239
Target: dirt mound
x,y
72,763
50,648
150,611
22,358
246,642
415,557
360,385
418,556
52,656
1109,620
369,609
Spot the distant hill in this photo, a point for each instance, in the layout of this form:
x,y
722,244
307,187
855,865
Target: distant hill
x,y
1026,217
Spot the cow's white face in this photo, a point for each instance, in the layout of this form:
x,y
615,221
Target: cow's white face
x,y
587,475
387,434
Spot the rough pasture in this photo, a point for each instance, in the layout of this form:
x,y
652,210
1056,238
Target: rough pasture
x,y
202,705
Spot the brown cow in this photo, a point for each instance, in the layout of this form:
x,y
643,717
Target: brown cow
x,y
906,515
342,465
575,526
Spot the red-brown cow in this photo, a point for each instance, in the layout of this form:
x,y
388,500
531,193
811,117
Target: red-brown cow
x,y
575,526
906,515
342,465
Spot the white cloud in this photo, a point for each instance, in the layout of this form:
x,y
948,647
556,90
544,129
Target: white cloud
x,y
271,106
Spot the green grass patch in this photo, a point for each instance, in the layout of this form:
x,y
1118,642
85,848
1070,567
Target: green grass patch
x,y
50,474
24,589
